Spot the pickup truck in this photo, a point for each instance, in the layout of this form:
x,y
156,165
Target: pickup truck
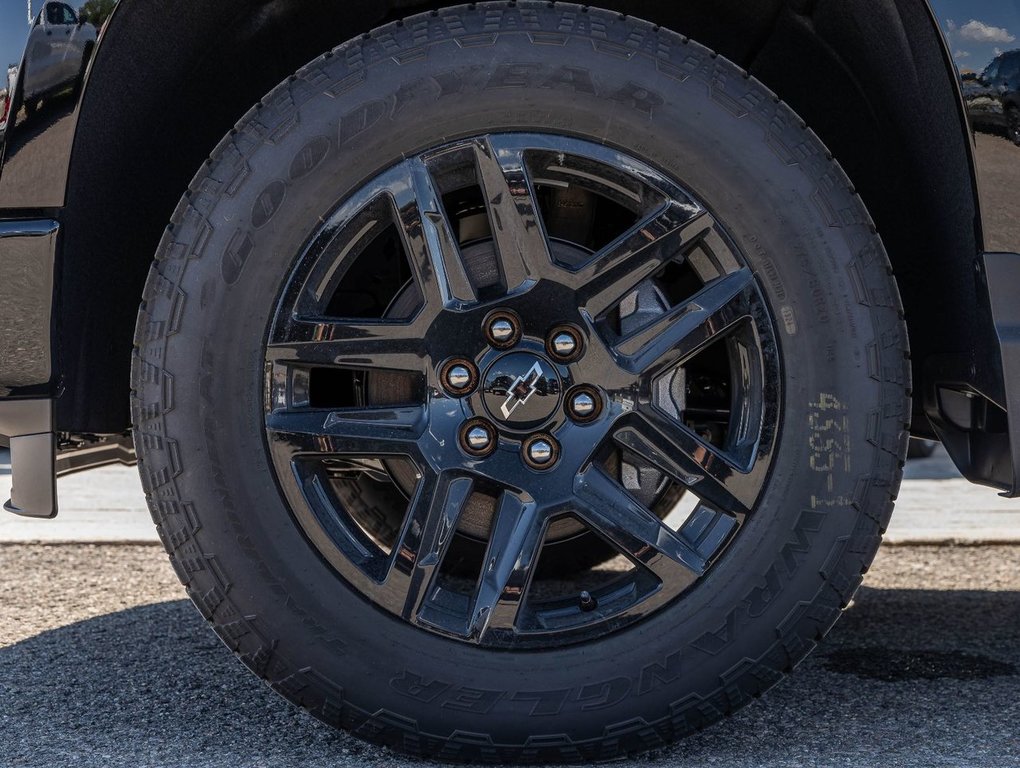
x,y
512,381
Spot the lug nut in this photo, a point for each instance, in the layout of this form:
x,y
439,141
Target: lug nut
x,y
584,404
564,343
541,451
478,438
458,377
503,328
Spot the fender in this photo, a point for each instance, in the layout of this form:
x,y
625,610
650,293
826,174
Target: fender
x,y
44,71
958,403
46,51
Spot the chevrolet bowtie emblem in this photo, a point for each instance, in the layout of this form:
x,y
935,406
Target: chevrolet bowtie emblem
x,y
521,390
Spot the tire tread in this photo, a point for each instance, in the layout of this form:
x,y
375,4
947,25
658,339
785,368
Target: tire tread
x,y
614,35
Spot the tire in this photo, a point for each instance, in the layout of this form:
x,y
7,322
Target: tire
x,y
1013,125
270,582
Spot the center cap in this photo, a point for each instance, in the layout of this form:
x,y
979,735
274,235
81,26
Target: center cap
x,y
521,390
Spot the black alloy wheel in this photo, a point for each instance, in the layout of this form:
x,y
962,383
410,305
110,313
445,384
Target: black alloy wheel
x,y
614,332
521,382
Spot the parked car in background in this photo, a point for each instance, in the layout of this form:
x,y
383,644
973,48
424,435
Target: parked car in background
x,y
59,48
993,96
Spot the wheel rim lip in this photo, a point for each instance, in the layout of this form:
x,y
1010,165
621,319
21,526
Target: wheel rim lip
x,y
565,368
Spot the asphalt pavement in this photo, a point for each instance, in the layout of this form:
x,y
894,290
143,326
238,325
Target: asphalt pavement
x,y
102,661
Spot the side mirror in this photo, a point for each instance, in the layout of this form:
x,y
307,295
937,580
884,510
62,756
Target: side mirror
x,y
83,19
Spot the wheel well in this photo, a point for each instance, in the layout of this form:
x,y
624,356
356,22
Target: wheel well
x,y
164,88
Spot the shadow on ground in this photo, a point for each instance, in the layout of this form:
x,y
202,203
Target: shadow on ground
x,y
910,677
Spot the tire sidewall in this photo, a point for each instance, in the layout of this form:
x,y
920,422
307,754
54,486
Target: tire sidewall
x,y
789,211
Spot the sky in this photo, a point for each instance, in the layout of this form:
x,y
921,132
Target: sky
x,y
978,30
12,38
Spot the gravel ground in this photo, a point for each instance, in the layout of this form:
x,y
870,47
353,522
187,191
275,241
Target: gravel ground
x,y
115,669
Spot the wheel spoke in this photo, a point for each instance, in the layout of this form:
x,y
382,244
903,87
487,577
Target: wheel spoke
x,y
513,212
510,559
381,430
426,534
349,344
675,450
638,254
634,529
689,327
433,248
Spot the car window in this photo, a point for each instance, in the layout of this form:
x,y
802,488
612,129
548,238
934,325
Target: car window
x,y
58,13
68,15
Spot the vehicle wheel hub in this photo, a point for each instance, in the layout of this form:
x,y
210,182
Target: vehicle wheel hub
x,y
521,391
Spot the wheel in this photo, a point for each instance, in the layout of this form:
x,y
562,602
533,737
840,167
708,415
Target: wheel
x,y
1013,122
495,280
